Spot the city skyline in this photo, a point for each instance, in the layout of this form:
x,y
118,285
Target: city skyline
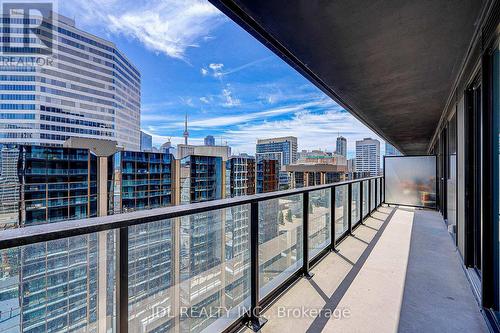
x,y
237,94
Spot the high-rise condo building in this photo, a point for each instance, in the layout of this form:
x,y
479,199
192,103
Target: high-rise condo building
x,y
141,180
341,146
9,187
284,150
368,156
201,179
241,176
267,176
85,88
51,184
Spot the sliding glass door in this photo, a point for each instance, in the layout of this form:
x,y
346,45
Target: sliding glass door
x,y
473,190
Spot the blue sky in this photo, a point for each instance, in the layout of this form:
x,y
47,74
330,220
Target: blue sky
x,y
195,60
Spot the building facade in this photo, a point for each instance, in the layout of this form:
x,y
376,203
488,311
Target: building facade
x,y
351,165
59,183
282,149
267,176
9,187
321,157
209,140
86,88
184,150
241,172
146,142
201,179
368,156
303,175
50,184
141,180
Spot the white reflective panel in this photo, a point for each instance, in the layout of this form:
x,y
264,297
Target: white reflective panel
x,y
411,180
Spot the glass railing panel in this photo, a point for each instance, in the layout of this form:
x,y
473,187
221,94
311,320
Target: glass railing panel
x,y
151,274
319,221
372,195
208,254
378,192
280,242
366,198
355,203
341,211
59,285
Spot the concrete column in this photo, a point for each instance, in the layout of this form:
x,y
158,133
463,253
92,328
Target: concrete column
x,y
102,210
176,182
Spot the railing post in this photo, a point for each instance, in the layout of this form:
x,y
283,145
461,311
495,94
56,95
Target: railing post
x,y
382,182
361,195
369,197
349,209
122,280
305,236
333,217
256,321
376,194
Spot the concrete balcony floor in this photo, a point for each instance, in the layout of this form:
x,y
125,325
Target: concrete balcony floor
x,y
400,271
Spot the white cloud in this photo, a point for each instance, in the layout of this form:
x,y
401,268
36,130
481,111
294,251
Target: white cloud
x,y
228,100
217,70
214,70
187,101
313,130
222,122
169,27
316,123
216,67
250,64
205,100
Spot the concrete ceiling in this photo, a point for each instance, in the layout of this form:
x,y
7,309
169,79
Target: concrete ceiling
x,y
391,63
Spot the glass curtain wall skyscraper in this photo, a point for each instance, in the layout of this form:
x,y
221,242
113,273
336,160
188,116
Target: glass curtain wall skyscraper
x,y
146,142
85,88
341,148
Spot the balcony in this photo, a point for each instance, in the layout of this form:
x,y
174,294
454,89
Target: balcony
x,y
423,75
398,271
226,265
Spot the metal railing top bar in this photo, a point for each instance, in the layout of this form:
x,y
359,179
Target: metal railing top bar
x,y
52,231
